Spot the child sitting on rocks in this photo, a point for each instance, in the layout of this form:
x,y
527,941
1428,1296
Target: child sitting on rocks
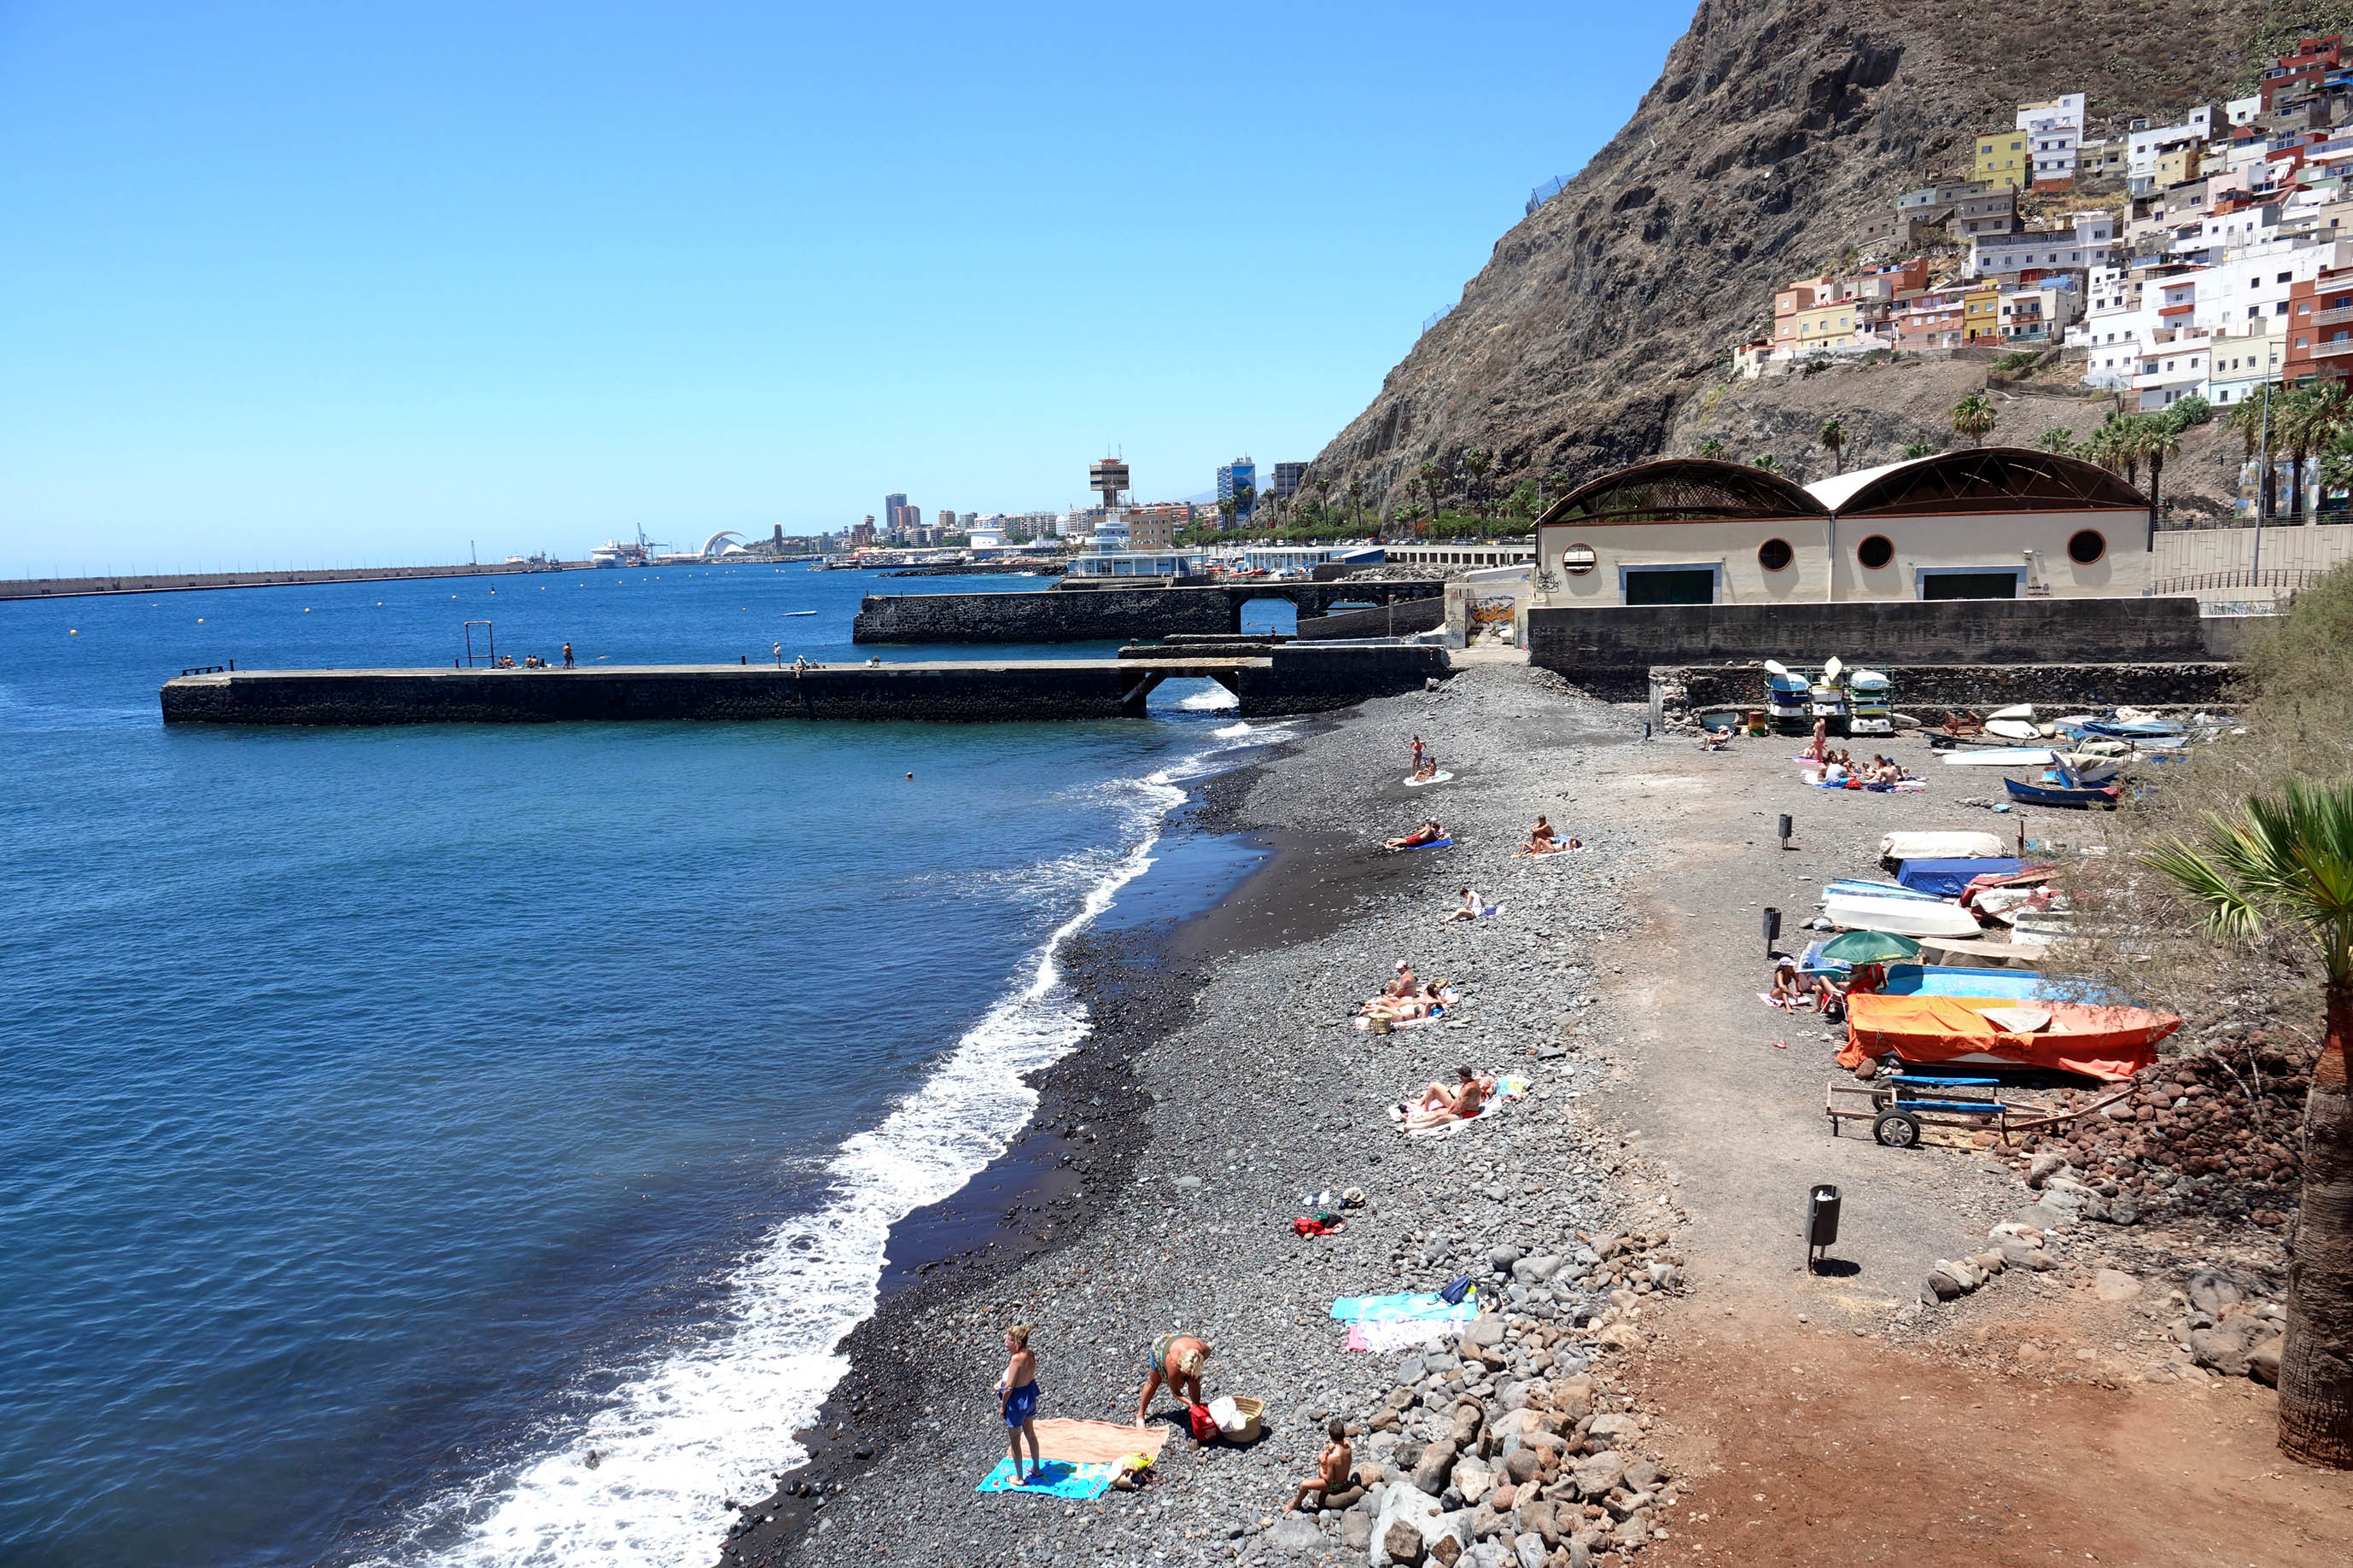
x,y
1334,1478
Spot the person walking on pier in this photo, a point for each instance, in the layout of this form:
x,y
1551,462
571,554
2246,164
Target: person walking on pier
x,y
567,655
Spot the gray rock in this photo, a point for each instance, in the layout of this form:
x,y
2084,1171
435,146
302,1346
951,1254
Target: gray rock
x,y
2045,1164
1611,1430
1645,1476
1401,1505
1579,1554
1502,1259
1413,1369
1399,1543
2264,1361
1598,1473
1431,1469
1485,1331
2209,1291
1295,1532
1944,1287
1356,1529
1529,1550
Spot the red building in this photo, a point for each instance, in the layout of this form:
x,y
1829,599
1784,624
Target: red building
x,y
2313,58
2321,329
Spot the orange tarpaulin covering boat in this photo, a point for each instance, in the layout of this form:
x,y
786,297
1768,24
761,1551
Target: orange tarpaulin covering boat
x,y
2111,1043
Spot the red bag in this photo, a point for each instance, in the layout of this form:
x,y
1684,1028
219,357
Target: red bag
x,y
1205,1425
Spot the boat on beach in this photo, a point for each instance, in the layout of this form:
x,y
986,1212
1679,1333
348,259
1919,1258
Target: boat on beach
x,y
1954,980
1904,916
1870,704
2111,1043
2078,796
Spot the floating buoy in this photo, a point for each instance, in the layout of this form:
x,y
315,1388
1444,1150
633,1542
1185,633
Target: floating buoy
x,y
306,609
200,620
71,632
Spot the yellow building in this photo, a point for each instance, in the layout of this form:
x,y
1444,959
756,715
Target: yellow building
x,y
2003,159
1982,314
2174,167
1830,325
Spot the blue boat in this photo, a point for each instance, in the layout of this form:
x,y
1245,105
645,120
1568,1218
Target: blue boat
x,y
1951,879
2061,795
1943,980
1857,887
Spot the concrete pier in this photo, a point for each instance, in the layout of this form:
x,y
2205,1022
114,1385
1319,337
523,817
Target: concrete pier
x,y
1071,614
1278,681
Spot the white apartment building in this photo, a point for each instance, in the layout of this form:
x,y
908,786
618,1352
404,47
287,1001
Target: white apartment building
x,y
2134,317
2143,147
2251,284
2053,131
2172,370
2092,241
2238,367
2243,110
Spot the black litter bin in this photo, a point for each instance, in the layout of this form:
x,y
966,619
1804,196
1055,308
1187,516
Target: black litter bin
x,y
1821,1222
1772,929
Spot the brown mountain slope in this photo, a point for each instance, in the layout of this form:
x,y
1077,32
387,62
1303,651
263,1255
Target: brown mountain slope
x,y
1775,126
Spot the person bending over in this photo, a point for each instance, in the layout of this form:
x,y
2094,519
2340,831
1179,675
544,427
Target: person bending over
x,y
1176,1366
1334,1484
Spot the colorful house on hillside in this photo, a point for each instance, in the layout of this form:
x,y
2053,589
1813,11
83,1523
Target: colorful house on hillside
x,y
2004,158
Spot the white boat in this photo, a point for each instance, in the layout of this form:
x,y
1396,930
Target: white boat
x,y
2090,768
2014,729
2016,711
1952,845
1868,710
1904,917
2002,757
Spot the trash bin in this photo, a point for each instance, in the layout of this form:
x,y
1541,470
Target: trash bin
x,y
1772,929
1821,1221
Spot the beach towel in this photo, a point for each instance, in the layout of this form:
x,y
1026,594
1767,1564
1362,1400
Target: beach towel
x,y
1409,1307
1437,1015
1506,1089
1387,1339
1054,1478
1091,1442
1438,777
1433,844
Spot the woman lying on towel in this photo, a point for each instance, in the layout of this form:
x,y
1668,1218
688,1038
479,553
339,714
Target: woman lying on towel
x,y
1426,1003
1439,1105
1430,832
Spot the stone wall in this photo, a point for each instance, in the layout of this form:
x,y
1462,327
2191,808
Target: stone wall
x,y
1415,615
1926,690
1613,649
182,581
1305,677
1070,614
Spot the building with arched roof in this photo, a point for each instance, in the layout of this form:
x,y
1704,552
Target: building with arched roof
x,y
1991,523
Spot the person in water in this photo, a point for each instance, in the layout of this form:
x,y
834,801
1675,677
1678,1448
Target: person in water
x,y
1334,1484
1174,1365
1439,1105
1017,1401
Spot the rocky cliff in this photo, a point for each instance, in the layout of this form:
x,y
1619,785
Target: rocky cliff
x,y
1773,128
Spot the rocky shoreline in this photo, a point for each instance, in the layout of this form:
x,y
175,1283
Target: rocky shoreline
x,y
1223,1084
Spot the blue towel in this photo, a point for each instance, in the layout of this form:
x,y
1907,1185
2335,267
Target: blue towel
x,y
1415,1307
1056,1478
1433,844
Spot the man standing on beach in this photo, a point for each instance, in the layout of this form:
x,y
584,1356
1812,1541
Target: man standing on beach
x,y
567,655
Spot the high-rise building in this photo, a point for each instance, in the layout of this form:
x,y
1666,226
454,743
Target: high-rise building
x,y
1287,477
862,535
1238,481
948,519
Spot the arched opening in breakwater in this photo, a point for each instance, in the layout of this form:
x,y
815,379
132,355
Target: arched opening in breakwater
x,y
1268,615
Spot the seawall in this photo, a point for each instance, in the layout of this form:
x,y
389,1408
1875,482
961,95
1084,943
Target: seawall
x,y
183,582
1283,680
1926,690
1610,651
1076,614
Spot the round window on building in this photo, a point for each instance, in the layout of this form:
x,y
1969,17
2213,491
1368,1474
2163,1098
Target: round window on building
x,y
2087,547
1874,553
1577,559
1774,555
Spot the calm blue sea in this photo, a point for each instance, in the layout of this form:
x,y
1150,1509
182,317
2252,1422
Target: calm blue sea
x,y
395,1117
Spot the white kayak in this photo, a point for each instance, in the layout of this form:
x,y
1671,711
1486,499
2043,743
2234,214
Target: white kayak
x,y
1904,917
2021,711
2002,757
1942,846
2013,728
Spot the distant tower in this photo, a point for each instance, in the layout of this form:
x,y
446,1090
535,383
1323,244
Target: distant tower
x,y
1110,476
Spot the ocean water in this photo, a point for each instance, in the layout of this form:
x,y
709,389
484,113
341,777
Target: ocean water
x,y
396,1119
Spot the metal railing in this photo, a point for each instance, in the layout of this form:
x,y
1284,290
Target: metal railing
x,y
2212,581
210,669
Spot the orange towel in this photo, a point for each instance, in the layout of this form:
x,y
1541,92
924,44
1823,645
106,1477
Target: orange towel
x,y
1097,1442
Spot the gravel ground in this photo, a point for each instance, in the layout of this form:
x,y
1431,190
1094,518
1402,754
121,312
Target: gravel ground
x,y
1224,1084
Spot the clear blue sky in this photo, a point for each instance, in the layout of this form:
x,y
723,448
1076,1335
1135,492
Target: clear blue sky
x,y
311,283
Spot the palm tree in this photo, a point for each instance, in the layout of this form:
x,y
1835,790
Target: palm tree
x,y
2056,439
2311,421
2286,866
2336,464
1712,447
2158,440
2248,418
1921,449
1432,477
1766,461
1974,417
1356,502
1475,463
1833,437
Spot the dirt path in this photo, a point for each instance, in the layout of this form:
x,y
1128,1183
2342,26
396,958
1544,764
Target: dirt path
x,y
1808,1434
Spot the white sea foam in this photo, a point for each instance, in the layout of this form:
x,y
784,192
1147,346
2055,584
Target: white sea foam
x,y
714,1418
1215,696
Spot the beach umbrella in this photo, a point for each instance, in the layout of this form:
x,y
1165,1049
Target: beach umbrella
x,y
1870,947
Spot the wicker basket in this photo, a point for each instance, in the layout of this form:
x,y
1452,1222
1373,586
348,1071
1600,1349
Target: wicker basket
x,y
1254,1412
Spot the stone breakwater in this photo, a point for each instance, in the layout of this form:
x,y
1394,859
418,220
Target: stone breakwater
x,y
1076,614
181,581
1515,1440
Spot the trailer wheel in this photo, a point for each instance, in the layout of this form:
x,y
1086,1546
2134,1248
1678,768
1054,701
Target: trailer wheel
x,y
1897,1129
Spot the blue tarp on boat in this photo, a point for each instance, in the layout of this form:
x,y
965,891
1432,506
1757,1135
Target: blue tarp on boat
x,y
1936,980
1950,878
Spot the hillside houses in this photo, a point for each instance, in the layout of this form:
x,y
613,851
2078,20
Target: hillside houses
x,y
2207,257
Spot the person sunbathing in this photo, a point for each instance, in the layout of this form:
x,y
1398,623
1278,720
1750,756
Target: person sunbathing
x,y
1426,768
1542,839
1715,739
1470,910
1403,982
1428,832
1789,989
1421,1003
1439,1105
